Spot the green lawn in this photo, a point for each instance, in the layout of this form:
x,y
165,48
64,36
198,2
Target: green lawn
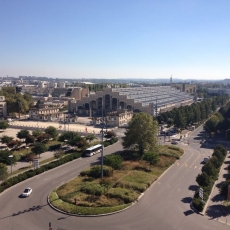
x,y
117,191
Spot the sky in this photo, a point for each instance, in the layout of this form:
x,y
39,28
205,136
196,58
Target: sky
x,y
154,39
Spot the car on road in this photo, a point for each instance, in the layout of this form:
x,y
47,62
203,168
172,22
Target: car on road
x,y
27,192
206,159
174,143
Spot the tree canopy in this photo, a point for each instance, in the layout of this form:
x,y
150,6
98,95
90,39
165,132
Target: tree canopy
x,y
6,139
16,102
3,172
39,148
72,138
4,124
52,131
141,133
23,134
5,159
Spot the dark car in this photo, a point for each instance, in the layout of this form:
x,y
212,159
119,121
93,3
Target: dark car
x,y
174,143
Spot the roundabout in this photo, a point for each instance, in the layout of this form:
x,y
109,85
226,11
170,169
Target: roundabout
x,y
165,205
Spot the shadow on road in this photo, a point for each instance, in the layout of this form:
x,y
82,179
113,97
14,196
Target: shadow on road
x,y
189,212
226,175
217,198
216,211
219,184
187,200
32,209
193,187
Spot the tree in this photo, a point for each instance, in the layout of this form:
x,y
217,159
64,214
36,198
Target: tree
x,y
39,148
30,139
5,159
72,138
203,179
110,134
141,133
151,157
82,144
3,172
52,131
59,154
23,134
4,124
37,132
114,161
212,124
6,139
90,137
16,102
179,120
43,137
14,143
209,169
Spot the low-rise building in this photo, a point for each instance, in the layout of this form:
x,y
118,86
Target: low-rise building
x,y
46,114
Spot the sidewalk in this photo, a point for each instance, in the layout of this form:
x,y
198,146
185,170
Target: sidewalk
x,y
82,128
23,165
215,208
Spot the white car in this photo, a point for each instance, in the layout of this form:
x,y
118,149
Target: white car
x,y
27,192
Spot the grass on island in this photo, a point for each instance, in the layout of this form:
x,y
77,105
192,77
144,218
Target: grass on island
x,y
115,192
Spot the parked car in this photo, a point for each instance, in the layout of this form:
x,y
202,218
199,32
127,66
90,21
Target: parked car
x,y
27,192
206,159
174,143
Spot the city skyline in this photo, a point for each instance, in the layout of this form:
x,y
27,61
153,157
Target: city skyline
x,y
115,39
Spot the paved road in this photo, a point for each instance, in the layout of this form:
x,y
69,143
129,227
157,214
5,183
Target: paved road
x,y
165,205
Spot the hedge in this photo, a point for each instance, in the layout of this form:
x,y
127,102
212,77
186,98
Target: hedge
x,y
219,155
28,174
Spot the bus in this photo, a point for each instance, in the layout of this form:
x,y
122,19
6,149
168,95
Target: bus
x,y
93,150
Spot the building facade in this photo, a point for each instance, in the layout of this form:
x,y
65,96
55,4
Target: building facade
x,y
151,100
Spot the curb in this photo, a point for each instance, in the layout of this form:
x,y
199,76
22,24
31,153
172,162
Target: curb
x,y
42,172
138,199
79,215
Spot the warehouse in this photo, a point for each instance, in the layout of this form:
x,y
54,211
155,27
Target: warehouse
x,y
152,100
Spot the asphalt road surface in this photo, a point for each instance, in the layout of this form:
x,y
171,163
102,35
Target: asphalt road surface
x,y
165,205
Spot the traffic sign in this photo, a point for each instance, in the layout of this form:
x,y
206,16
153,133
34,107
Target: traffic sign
x,y
36,163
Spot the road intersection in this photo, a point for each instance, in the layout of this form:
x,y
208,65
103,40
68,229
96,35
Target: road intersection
x,y
165,205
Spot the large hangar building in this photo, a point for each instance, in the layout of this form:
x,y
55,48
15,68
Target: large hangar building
x,y
151,100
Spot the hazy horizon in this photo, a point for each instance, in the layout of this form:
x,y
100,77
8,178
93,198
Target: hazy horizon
x,y
115,39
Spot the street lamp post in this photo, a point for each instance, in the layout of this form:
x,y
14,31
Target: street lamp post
x,y
11,156
65,141
103,124
27,147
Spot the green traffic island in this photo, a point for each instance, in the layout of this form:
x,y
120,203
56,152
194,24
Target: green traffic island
x,y
206,180
126,176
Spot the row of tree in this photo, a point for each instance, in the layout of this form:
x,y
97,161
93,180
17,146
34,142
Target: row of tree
x,y
196,112
209,175
219,120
